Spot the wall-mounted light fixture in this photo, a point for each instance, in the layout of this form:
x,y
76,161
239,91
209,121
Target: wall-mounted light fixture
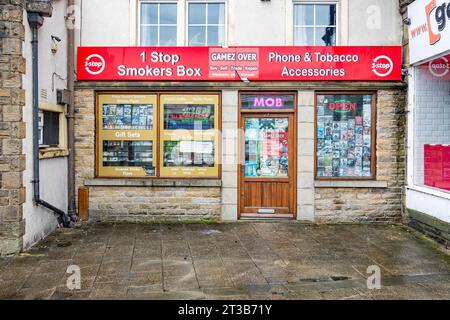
x,y
54,45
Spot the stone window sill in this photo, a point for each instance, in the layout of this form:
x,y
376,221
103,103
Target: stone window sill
x,y
350,184
48,153
153,182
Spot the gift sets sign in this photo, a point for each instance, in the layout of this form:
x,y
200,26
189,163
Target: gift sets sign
x,y
239,64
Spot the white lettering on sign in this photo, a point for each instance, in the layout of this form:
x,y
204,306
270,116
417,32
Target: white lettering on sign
x,y
247,57
328,72
336,57
223,56
128,134
144,71
160,57
182,71
276,57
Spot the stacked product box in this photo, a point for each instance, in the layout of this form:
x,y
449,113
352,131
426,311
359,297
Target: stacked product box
x,y
437,166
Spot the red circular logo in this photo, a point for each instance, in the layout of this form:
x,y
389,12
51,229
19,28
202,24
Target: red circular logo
x,y
382,66
94,64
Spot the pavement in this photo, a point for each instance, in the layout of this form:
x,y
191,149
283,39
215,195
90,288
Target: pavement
x,y
242,260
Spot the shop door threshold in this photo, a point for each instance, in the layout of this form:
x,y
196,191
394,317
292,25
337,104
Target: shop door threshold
x,y
260,216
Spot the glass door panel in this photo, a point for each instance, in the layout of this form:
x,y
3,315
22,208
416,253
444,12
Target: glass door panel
x,y
266,147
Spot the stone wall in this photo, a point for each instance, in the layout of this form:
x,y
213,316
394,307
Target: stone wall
x,y
305,156
133,203
373,201
12,127
84,136
148,203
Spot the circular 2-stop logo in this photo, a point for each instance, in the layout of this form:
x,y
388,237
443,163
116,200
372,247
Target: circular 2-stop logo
x,y
382,66
94,64
439,67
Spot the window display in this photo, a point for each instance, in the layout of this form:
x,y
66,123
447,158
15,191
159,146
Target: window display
x,y
189,135
344,136
129,154
189,116
126,136
188,153
432,124
266,147
127,116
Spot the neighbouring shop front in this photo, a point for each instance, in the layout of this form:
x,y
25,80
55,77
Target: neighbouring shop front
x,y
428,187
307,133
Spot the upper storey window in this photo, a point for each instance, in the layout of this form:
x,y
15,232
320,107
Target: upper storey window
x,y
158,24
206,23
314,24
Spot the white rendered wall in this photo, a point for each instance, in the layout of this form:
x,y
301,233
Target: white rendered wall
x,y
374,22
249,22
39,221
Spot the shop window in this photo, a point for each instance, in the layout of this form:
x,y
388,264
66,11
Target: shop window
x,y
128,138
431,134
189,135
158,24
48,129
127,135
206,24
314,24
345,136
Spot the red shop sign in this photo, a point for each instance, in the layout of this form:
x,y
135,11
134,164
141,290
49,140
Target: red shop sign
x,y
239,63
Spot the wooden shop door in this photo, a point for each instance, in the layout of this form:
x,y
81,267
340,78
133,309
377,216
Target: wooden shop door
x,y
267,172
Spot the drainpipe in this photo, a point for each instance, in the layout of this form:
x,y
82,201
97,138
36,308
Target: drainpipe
x,y
72,210
35,21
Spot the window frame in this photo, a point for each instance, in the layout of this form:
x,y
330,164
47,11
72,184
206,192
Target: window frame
x,y
314,26
414,80
157,128
225,25
158,2
43,128
99,139
373,177
61,150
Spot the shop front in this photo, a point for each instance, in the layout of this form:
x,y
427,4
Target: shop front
x,y
307,133
428,187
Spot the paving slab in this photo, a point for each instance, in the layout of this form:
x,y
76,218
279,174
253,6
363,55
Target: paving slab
x,y
242,260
